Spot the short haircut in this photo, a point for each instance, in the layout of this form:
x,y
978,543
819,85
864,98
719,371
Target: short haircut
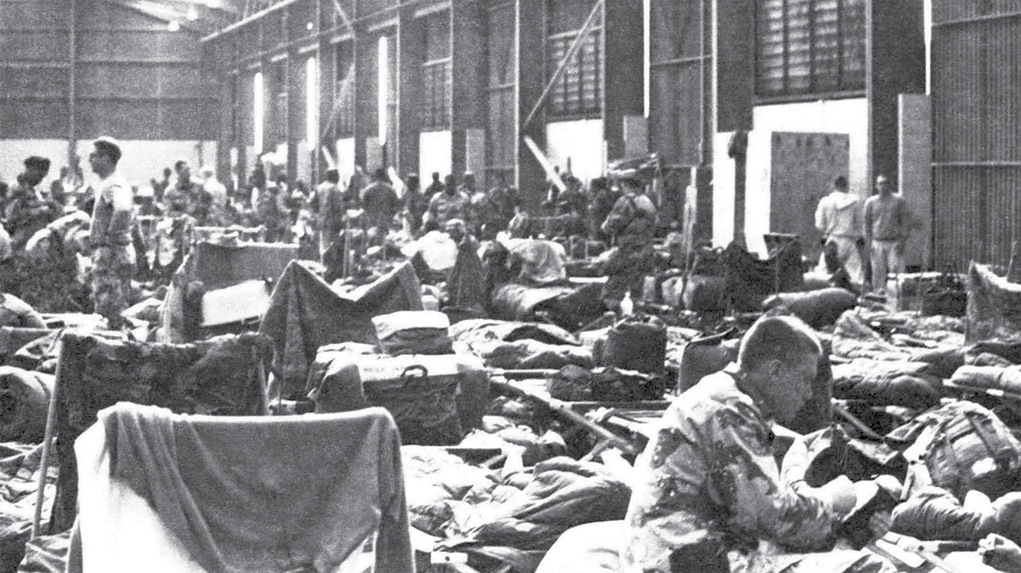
x,y
332,175
179,164
37,162
785,338
380,174
109,147
840,182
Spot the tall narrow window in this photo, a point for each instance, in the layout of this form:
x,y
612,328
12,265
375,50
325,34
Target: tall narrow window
x,y
384,77
810,47
436,73
258,113
312,102
578,92
343,90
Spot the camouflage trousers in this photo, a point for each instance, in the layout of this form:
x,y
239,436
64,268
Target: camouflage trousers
x,y
112,270
625,271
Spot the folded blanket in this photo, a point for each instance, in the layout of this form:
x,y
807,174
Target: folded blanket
x,y
934,513
560,494
993,377
885,383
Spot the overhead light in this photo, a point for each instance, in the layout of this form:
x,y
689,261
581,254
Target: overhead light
x,y
173,26
308,26
192,14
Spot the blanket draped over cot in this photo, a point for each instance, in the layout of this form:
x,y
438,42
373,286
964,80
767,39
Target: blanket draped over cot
x,y
305,313
218,376
257,494
994,305
215,267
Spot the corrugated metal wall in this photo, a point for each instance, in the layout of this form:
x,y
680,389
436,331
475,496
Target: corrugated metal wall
x,y
976,71
680,128
134,78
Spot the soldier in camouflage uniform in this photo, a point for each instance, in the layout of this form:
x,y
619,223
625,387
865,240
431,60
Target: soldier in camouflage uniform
x,y
113,255
632,222
30,208
707,487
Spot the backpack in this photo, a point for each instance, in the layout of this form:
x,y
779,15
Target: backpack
x,y
960,446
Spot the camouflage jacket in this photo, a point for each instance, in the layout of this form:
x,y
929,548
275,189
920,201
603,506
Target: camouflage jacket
x,y
709,477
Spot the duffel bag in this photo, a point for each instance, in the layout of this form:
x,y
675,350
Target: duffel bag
x,y
434,399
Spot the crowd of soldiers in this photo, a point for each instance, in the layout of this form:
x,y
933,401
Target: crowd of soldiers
x,y
377,203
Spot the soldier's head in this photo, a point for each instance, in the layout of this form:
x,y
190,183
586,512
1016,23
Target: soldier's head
x,y
631,183
106,153
333,176
456,229
840,184
183,169
36,169
779,359
450,184
883,184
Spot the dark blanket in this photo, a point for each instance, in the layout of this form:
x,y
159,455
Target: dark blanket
x,y
25,396
266,493
818,308
219,376
305,313
750,279
466,284
514,301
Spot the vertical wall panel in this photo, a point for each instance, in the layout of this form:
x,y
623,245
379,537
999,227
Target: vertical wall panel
x,y
976,68
680,78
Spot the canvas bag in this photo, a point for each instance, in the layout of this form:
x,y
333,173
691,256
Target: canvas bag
x,y
432,398
960,446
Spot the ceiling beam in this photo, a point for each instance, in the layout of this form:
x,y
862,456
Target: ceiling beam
x,y
158,12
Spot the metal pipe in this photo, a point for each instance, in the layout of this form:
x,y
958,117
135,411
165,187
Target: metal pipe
x,y
703,141
72,136
976,19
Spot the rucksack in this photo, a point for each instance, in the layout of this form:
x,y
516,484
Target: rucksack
x,y
960,446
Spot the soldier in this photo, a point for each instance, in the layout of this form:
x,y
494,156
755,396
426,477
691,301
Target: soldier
x,y
113,255
30,209
329,206
632,221
450,204
182,193
707,487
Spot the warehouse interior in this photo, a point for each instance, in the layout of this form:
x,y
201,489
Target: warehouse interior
x,y
504,244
